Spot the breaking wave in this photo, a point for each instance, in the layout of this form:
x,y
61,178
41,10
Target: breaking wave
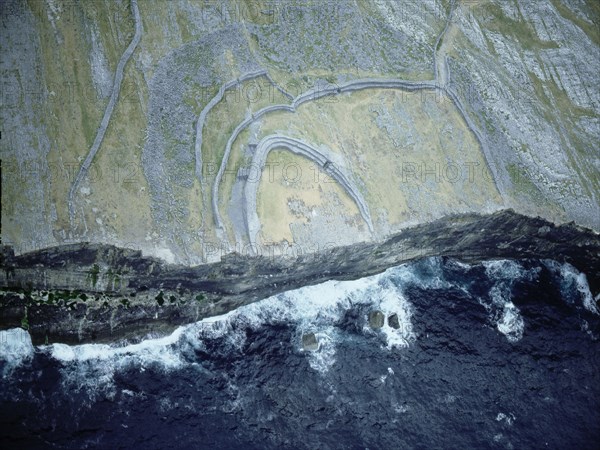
x,y
250,366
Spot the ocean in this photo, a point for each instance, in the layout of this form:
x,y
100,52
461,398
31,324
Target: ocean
x,y
500,354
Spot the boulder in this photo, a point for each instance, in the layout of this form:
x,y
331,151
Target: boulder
x,y
376,319
393,321
310,342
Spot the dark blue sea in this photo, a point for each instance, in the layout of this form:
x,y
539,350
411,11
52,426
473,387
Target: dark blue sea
x,y
502,355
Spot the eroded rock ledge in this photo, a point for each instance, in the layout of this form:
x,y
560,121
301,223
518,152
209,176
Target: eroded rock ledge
x,y
86,293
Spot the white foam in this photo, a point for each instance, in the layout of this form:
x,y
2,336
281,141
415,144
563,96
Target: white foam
x,y
584,289
383,378
506,418
427,273
310,309
400,409
62,352
324,358
315,308
499,294
511,323
460,264
571,277
391,301
151,350
91,367
503,269
15,349
502,311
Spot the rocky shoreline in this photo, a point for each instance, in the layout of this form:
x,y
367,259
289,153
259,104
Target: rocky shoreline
x,y
99,293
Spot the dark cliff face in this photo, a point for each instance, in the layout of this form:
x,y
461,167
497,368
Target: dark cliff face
x,y
82,293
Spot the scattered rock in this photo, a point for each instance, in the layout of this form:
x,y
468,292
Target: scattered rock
x,y
310,342
393,321
376,319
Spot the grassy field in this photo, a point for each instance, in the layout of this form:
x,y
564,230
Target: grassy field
x,y
377,154
410,154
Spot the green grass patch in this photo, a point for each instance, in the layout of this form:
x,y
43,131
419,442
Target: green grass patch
x,y
592,30
93,274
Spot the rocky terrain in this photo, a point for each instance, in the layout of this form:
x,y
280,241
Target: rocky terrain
x,y
214,210
92,292
136,123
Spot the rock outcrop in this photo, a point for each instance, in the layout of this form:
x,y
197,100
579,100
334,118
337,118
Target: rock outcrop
x,y
376,319
91,292
310,342
393,321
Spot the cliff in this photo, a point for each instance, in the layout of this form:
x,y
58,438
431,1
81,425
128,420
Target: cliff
x,y
91,292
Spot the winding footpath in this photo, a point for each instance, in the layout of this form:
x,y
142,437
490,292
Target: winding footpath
x,y
210,105
440,74
308,96
441,82
114,97
301,148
